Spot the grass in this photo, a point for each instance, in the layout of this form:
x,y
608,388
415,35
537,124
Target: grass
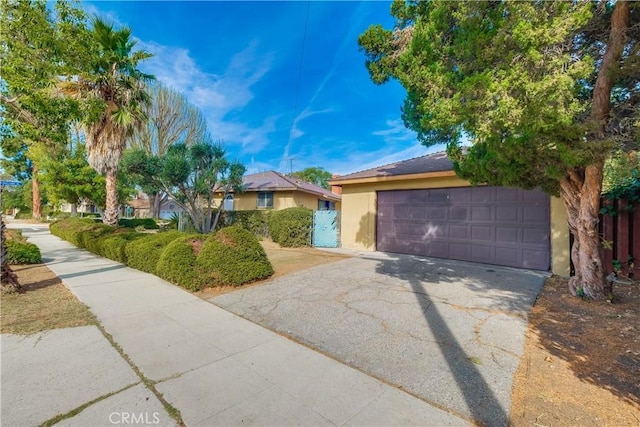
x,y
46,304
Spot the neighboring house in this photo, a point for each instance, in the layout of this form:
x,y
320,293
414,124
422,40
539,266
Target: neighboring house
x,y
272,190
419,206
138,207
82,207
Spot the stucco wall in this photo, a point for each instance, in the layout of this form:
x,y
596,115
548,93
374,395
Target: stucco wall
x,y
358,229
281,200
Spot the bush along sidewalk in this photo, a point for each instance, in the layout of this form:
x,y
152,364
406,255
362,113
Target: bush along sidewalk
x,y
231,256
19,251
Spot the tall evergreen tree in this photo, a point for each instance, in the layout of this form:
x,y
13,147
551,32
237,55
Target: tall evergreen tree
x,y
543,90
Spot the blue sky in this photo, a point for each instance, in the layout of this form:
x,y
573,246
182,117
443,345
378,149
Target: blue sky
x,y
268,88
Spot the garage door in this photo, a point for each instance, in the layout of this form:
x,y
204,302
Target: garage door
x,y
494,225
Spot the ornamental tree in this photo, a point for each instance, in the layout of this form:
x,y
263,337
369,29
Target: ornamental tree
x,y
542,90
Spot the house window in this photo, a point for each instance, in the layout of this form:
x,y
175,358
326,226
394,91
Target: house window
x,y
326,205
265,200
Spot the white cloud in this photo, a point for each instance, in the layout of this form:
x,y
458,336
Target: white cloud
x,y
396,132
217,95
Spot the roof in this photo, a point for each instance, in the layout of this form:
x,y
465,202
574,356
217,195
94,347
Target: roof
x,y
430,163
274,181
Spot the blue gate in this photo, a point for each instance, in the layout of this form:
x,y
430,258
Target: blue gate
x,y
326,229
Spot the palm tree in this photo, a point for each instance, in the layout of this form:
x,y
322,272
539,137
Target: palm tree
x,y
115,88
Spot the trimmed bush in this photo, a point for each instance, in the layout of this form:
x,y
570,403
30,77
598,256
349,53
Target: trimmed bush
x,y
24,214
88,238
147,223
178,262
68,229
291,227
233,256
143,254
113,246
256,221
22,253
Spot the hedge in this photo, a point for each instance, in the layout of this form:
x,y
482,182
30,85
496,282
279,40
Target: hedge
x,y
144,253
23,253
147,223
88,237
234,256
256,221
68,229
291,227
24,214
178,263
112,246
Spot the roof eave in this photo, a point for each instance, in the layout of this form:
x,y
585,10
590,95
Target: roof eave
x,y
387,178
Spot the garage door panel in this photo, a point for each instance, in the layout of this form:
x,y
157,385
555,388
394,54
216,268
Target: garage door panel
x,y
459,232
511,257
503,226
536,260
482,213
535,236
535,215
437,213
508,214
482,233
508,235
483,253
458,213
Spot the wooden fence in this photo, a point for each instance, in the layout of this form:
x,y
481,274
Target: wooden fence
x,y
620,237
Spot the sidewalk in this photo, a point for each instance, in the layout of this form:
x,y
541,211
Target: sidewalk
x,y
214,367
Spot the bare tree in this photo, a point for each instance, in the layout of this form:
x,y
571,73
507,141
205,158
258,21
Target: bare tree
x,y
172,119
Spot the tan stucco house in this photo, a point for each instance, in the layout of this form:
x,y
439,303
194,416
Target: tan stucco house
x,y
272,190
419,206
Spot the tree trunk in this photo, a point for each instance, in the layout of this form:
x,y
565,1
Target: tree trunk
x,y
580,193
153,199
35,194
74,209
580,189
110,215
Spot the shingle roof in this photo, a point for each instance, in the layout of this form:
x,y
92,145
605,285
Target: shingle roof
x,y
274,181
435,162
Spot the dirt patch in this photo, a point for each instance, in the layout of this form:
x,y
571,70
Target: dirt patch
x,y
581,365
45,304
284,261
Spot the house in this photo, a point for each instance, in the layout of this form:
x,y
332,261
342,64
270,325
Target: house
x,y
419,206
272,190
138,207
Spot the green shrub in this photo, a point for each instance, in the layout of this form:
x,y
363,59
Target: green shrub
x,y
68,229
178,262
89,237
255,221
233,256
147,223
22,253
24,214
291,227
144,253
113,246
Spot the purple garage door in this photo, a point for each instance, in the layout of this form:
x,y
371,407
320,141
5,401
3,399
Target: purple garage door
x,y
494,225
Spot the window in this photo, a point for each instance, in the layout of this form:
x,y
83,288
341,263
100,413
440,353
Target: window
x,y
265,200
326,205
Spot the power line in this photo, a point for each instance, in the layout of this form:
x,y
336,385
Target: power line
x,y
298,84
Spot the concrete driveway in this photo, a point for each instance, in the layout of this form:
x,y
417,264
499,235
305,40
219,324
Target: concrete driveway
x,y
448,332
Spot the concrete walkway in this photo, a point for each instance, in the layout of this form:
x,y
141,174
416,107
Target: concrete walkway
x,y
212,366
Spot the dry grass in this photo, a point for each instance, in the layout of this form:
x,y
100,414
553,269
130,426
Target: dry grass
x,y
46,304
284,261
